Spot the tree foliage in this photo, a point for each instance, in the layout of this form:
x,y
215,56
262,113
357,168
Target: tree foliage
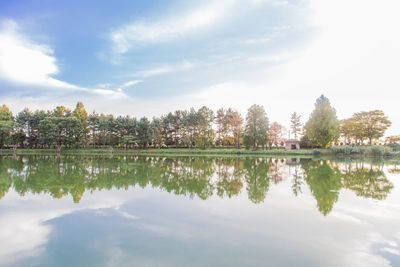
x,y
256,129
295,125
322,129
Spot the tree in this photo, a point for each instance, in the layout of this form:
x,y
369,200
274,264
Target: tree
x,y
236,122
144,132
373,124
81,114
222,122
60,131
156,131
6,125
295,125
190,121
393,139
275,134
349,130
256,128
205,135
93,124
322,129
5,114
61,111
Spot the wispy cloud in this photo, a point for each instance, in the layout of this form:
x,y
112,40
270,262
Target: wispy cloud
x,y
131,83
138,32
166,69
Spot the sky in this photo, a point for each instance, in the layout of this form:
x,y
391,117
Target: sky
x,y
149,57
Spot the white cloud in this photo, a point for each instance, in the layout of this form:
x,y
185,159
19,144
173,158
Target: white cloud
x,y
24,62
354,59
127,36
131,83
166,69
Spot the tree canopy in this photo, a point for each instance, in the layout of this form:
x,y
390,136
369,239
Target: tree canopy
x,y
322,128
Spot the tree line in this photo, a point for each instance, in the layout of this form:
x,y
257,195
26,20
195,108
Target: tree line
x,y
201,128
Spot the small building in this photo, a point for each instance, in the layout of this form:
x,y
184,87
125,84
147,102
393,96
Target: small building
x,y
292,144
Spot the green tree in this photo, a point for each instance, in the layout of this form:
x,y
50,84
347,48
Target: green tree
x,y
6,125
61,111
236,126
295,125
60,131
256,129
81,114
144,132
205,135
322,129
372,124
222,122
5,113
156,131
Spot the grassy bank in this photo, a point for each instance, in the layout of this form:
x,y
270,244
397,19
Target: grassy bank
x,y
169,151
345,151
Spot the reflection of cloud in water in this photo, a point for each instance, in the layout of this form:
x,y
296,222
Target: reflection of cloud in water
x,y
23,221
227,221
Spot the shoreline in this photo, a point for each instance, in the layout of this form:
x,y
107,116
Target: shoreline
x,y
195,152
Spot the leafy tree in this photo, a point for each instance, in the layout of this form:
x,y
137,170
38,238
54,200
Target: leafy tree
x,y
205,135
222,122
156,131
295,125
5,113
372,124
6,125
236,122
144,132
393,139
191,127
275,134
81,114
322,128
350,129
256,128
60,131
61,111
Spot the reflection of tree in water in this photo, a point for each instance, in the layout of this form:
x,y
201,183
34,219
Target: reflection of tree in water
x,y
395,168
297,179
276,170
324,183
190,176
229,172
257,181
369,182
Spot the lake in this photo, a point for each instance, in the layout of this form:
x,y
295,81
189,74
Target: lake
x,y
198,211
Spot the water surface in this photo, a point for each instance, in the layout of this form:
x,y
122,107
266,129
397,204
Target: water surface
x,y
198,211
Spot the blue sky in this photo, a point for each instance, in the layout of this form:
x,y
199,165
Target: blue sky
x,y
149,57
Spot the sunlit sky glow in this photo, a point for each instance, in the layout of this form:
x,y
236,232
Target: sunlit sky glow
x,y
150,57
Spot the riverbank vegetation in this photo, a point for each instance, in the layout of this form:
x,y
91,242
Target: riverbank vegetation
x,y
225,131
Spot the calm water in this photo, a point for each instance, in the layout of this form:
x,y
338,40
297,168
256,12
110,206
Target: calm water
x,y
195,211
